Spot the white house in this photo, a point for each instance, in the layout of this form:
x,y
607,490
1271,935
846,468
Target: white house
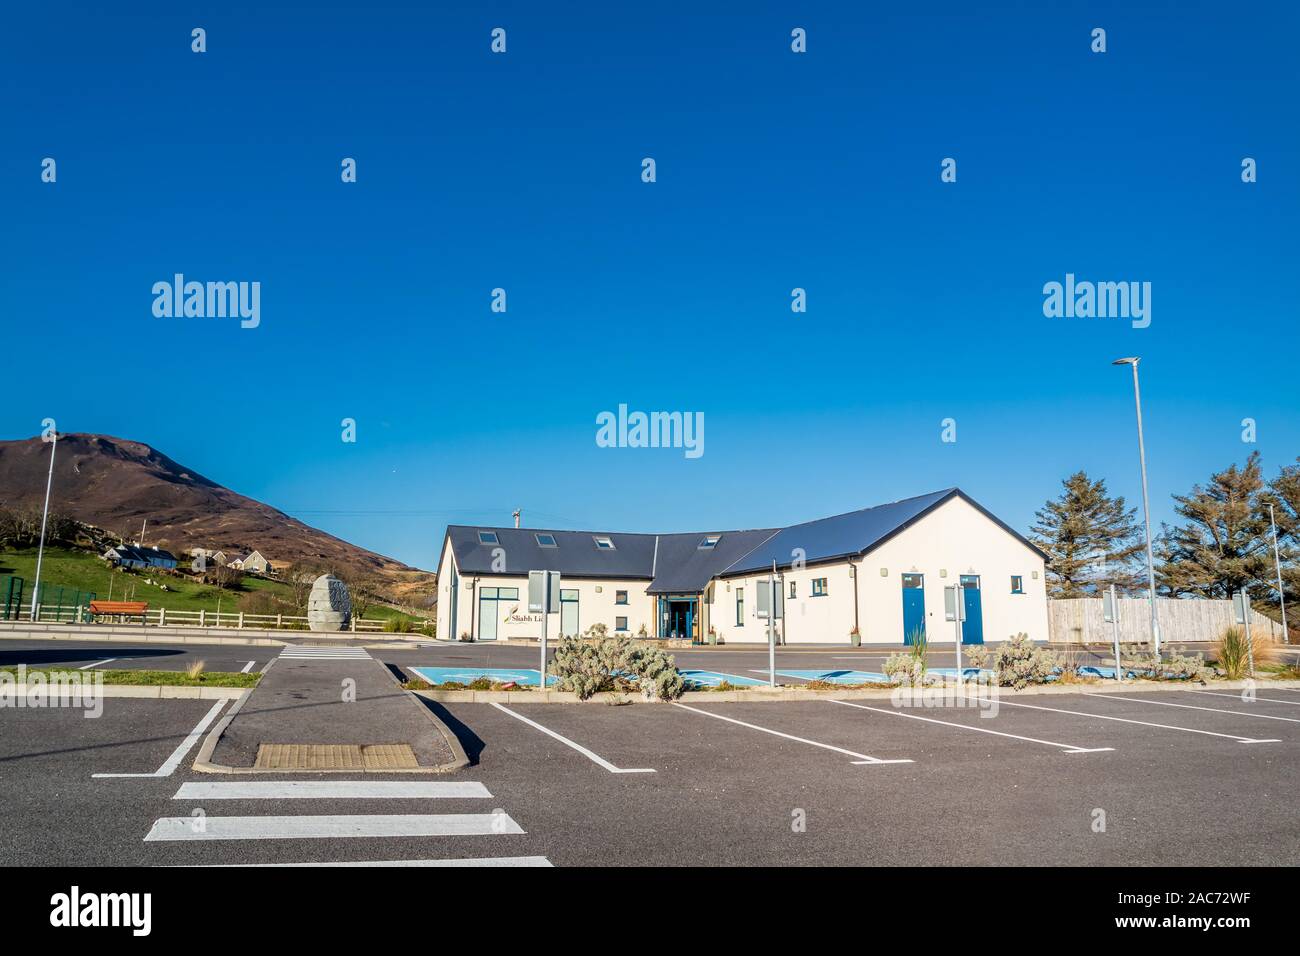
x,y
135,556
880,571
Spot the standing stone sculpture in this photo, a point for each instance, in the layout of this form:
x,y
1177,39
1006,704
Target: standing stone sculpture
x,y
329,606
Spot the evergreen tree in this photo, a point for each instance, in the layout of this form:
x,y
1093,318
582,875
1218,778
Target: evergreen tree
x,y
1091,539
1224,544
1284,494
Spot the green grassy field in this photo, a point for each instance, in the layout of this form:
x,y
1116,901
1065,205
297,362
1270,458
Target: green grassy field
x,y
82,570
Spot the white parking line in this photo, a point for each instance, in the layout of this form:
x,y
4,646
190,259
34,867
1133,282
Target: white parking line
x,y
1144,723
1267,700
1065,748
1213,710
484,861
247,667
97,664
331,790
862,758
594,758
172,829
179,753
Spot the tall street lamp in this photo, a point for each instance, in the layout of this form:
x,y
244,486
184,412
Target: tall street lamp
x,y
1146,502
40,550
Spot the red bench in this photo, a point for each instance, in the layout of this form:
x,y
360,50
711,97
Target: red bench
x,y
120,608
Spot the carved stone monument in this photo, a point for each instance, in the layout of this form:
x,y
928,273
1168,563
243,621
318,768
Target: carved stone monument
x,y
329,606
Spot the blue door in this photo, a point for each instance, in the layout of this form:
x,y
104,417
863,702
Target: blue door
x,y
913,607
972,629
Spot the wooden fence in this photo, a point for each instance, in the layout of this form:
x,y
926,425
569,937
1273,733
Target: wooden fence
x,y
1079,620
162,617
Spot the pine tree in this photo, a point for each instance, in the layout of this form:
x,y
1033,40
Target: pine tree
x,y
1224,544
1284,494
1091,539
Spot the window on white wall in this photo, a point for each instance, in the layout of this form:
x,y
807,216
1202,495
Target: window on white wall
x,y
819,587
1017,584
620,624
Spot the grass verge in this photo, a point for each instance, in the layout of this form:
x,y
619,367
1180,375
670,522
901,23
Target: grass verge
x,y
153,678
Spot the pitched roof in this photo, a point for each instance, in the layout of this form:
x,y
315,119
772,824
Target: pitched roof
x,y
839,535
686,568
575,553
136,553
675,563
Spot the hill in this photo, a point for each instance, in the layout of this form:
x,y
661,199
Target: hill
x,y
116,484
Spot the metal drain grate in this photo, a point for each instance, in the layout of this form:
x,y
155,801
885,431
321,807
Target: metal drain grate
x,y
335,757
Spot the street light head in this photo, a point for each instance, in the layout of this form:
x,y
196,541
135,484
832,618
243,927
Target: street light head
x,y
1131,360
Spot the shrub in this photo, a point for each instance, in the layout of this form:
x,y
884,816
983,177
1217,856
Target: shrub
x,y
399,625
1020,662
977,655
601,663
1179,666
906,669
1231,652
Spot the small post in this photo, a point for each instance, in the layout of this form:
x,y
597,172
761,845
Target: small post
x,y
1112,614
162,617
771,629
202,617
1245,617
241,619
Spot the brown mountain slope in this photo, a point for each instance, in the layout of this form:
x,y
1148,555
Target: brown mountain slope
x,y
116,484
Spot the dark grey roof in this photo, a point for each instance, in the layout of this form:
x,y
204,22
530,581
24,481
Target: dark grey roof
x,y
147,555
576,553
684,567
854,533
674,563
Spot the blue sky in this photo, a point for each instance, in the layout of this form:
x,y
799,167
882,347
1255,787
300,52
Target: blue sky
x,y
775,171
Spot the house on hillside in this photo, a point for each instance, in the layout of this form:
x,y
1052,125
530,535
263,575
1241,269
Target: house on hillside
x,y
136,557
881,571
254,561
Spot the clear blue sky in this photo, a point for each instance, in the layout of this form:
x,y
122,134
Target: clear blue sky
x,y
775,170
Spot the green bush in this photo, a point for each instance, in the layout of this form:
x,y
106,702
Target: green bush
x,y
977,655
1179,666
1020,662
905,668
1232,653
600,663
399,625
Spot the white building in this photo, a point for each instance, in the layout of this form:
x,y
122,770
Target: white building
x,y
881,570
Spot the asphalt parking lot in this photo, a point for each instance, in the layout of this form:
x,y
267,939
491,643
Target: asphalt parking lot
x,y
1180,778
123,655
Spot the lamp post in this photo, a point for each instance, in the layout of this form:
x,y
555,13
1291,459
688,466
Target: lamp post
x,y
1277,563
40,550
1146,503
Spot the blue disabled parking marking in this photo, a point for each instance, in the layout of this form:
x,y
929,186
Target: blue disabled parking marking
x,y
466,675
714,678
967,673
838,677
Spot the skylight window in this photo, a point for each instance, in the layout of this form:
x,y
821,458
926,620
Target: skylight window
x,y
710,542
603,542
546,541
487,537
